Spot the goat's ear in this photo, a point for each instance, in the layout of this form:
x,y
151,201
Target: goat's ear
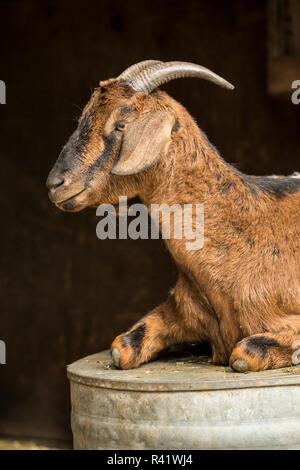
x,y
145,139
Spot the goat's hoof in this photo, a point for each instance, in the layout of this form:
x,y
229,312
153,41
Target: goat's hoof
x,y
116,357
239,365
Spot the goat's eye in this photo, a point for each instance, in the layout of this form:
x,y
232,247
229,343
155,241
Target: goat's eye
x,y
120,126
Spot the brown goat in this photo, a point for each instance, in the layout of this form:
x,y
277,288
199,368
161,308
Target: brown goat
x,y
241,292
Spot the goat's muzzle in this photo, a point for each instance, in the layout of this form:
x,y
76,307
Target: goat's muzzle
x,y
67,194
54,181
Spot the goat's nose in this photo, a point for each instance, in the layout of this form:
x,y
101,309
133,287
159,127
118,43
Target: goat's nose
x,y
53,181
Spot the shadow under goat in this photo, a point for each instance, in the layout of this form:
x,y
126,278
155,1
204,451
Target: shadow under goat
x,y
241,292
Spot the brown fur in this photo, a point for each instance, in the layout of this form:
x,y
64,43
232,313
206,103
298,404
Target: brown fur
x,y
246,279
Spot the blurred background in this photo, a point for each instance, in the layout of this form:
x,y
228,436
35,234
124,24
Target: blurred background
x,y
64,293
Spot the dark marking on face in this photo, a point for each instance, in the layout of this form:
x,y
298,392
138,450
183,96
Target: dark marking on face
x,y
112,146
277,187
85,129
259,345
134,338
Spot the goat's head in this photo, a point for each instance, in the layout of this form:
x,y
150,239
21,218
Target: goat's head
x,y
124,130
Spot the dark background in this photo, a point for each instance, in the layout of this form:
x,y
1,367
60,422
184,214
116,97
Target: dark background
x,y
64,293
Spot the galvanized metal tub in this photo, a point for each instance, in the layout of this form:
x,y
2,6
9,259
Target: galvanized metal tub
x,y
182,403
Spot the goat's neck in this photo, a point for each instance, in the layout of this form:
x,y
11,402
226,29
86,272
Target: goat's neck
x,y
194,173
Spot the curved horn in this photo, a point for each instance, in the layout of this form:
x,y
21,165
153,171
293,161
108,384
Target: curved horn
x,y
151,78
132,71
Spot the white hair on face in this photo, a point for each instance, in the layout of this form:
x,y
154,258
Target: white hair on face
x,y
296,174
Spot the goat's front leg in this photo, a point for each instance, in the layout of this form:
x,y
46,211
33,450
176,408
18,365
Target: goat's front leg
x,y
146,339
266,351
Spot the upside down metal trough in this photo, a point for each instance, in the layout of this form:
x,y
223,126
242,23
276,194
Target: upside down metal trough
x,y
182,402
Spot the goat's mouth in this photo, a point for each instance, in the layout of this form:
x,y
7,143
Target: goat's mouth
x,y
74,203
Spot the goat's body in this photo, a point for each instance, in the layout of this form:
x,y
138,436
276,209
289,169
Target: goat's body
x,y
247,276
246,279
241,291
